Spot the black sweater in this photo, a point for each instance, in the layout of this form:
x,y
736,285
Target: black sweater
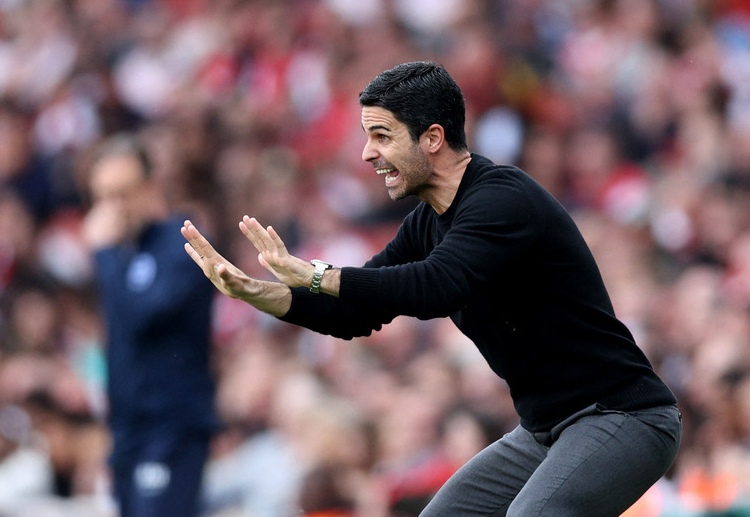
x,y
508,265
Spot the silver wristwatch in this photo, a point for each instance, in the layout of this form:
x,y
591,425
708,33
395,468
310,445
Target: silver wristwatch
x,y
320,268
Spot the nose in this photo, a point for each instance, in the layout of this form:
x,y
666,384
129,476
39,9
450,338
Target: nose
x,y
369,153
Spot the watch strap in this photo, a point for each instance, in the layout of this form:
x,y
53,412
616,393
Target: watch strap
x,y
317,278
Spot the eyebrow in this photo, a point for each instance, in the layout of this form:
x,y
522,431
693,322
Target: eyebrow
x,y
376,127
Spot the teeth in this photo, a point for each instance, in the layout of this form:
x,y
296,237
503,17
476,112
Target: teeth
x,y
384,171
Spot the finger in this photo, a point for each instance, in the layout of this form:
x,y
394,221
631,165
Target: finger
x,y
257,235
278,243
189,249
199,243
194,255
227,280
246,223
245,229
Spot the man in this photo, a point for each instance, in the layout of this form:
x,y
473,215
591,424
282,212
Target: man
x,y
157,308
492,250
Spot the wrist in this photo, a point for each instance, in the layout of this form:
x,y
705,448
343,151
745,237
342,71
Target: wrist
x,y
319,268
273,298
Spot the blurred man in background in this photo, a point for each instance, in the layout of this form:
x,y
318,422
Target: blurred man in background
x,y
157,308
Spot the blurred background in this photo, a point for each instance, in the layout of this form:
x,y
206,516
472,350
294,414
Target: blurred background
x,y
635,114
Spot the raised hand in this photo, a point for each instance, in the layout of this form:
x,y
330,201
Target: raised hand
x,y
227,278
274,256
271,297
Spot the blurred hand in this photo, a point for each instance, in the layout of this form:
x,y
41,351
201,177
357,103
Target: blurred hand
x,y
104,226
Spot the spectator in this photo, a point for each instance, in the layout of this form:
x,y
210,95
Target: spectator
x,y
25,468
158,320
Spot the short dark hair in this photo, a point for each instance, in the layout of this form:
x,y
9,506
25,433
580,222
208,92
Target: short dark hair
x,y
419,94
126,144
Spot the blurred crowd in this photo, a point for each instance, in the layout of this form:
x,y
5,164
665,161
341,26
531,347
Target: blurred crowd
x,y
635,114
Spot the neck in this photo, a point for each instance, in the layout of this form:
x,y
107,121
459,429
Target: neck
x,y
448,175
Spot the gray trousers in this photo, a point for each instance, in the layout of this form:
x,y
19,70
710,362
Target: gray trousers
x,y
595,464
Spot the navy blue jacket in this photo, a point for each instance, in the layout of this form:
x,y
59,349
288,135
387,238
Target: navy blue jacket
x,y
157,307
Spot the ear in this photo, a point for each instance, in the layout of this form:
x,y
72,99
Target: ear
x,y
434,138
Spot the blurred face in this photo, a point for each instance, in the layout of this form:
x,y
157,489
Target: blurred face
x,y
118,183
35,321
394,155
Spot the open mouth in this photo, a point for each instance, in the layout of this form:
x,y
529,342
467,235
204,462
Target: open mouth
x,y
391,174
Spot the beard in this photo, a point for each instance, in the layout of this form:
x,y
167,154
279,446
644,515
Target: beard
x,y
415,173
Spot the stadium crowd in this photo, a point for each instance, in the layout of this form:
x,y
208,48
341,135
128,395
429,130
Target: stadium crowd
x,y
635,114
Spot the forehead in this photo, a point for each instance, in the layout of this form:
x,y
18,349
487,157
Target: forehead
x,y
375,117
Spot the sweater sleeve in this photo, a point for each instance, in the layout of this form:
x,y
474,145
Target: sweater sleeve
x,y
348,319
433,266
492,226
333,316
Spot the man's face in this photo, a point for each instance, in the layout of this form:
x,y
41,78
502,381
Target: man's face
x,y
118,182
393,154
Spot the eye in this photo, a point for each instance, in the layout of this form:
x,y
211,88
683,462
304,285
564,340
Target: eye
x,y
382,138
